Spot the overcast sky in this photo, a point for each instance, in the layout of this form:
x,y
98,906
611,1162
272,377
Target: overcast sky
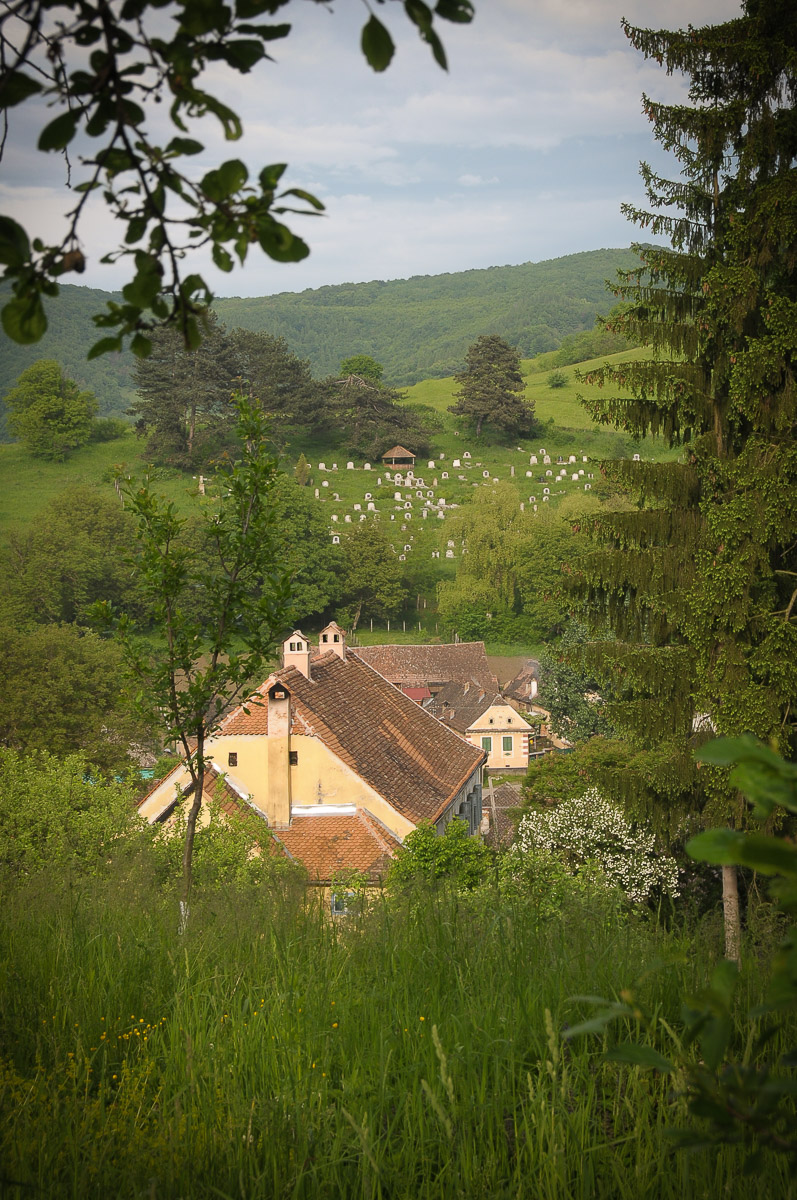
x,y
523,151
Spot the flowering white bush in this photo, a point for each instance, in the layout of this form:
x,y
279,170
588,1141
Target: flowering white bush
x,y
588,829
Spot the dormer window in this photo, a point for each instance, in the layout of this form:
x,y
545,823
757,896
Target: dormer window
x,y
325,637
490,721
335,637
296,646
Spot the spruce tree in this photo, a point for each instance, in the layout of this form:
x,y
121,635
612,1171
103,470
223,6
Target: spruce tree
x,y
699,581
491,388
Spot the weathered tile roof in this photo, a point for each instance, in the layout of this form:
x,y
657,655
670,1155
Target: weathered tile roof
x,y
399,452
328,845
419,666
458,705
399,749
520,688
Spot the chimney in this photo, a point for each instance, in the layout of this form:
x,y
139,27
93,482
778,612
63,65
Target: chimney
x,y
333,638
278,777
296,653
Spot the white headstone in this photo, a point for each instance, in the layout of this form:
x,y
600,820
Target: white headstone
x,y
575,477
522,506
379,481
533,460
397,495
317,493
572,458
512,472
366,466
368,496
335,539
363,517
583,458
445,475
335,496
529,474
636,458
466,454
485,474
546,458
549,472
347,518
387,475
441,515
430,464
358,507
587,487
334,516
334,466
371,506
545,499
546,491
325,483
456,463
349,466
402,558
449,553
322,466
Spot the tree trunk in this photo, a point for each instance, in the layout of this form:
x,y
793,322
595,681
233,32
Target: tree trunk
x,y
198,777
730,906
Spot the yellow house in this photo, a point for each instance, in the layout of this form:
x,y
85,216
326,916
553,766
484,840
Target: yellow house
x,y
326,750
488,721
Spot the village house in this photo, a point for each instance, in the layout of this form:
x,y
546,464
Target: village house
x,y
340,764
488,722
421,671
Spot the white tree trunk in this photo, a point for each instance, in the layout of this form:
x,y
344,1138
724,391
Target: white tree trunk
x,y
730,906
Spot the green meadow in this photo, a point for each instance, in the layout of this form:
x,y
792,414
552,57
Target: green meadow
x,y
414,1049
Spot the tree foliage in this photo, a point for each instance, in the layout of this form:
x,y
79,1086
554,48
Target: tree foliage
x,y
212,603
48,412
74,556
371,580
362,365
491,386
64,693
427,857
162,208
698,581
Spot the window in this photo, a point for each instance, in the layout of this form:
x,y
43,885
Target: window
x,y
490,721
340,901
232,758
335,637
487,744
507,744
293,758
324,637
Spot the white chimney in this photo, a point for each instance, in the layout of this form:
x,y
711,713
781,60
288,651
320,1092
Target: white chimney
x,y
296,653
333,638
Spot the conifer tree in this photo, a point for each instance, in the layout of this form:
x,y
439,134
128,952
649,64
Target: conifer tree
x,y
699,581
491,388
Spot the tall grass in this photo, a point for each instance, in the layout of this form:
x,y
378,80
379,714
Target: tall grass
x,y
413,1050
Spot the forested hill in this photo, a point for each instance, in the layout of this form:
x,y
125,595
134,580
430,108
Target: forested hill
x,y
418,328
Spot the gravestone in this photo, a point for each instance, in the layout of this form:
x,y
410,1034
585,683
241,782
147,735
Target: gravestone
x,y
366,466
358,507
322,466
349,466
445,474
347,518
325,483
430,464
335,539
317,493
456,463
449,553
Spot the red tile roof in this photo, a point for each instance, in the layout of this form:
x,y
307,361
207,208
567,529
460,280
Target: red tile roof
x,y
425,666
329,845
396,747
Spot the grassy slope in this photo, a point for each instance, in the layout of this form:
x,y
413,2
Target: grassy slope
x,y
414,1052
27,484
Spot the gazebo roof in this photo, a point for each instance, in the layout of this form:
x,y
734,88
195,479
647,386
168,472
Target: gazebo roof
x,y
398,452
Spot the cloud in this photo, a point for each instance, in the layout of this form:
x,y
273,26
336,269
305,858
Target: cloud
x,y
476,180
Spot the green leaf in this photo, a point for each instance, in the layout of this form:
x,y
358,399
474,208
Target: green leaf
x,y
16,87
377,44
301,194
146,284
460,11
14,243
24,319
180,145
268,33
270,176
639,1056
222,258
59,133
105,345
715,846
280,244
243,53
141,346
227,179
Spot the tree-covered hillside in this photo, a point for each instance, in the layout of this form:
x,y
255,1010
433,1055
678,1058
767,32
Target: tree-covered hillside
x,y
418,328
421,328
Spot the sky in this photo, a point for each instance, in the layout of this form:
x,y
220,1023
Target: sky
x,y
523,151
